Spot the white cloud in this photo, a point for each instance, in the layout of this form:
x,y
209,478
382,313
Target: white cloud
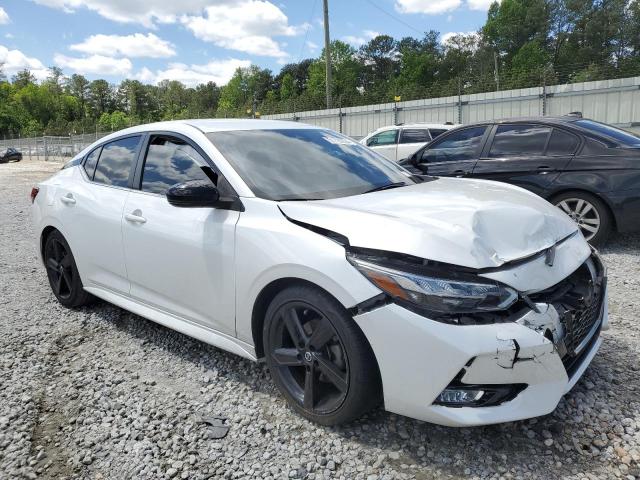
x,y
449,35
14,60
95,64
145,76
131,46
312,46
9,35
429,7
247,26
218,71
4,17
144,12
362,39
479,4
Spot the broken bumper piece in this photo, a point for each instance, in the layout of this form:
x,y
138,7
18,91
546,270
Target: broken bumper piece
x,y
422,362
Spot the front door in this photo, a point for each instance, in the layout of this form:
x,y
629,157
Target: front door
x,y
179,260
385,143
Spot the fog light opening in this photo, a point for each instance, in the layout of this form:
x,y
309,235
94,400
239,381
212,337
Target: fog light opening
x,y
459,396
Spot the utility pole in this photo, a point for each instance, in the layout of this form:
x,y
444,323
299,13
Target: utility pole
x,y
327,51
495,71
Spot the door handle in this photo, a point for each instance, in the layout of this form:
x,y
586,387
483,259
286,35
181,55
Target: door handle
x,y
459,173
135,217
68,199
543,169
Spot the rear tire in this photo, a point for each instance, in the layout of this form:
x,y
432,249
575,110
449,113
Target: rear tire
x,y
62,272
318,357
589,212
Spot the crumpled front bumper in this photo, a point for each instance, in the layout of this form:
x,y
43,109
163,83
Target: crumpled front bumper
x,y
419,357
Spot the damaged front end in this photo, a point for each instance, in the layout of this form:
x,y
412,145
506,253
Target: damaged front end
x,y
563,320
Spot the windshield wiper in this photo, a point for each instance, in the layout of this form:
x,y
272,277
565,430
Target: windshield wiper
x,y
387,187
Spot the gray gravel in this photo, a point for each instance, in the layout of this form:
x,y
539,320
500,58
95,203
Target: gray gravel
x,y
101,393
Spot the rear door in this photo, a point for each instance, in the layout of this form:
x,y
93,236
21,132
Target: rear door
x,y
91,212
454,154
526,154
411,140
385,143
179,260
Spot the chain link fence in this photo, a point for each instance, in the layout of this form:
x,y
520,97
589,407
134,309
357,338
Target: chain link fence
x,y
51,148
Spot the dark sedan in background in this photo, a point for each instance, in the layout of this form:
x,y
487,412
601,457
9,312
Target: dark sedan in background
x,y
10,155
588,169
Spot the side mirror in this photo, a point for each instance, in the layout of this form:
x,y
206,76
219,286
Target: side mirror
x,y
193,194
413,159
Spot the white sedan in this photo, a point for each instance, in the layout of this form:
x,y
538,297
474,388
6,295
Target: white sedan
x,y
397,142
454,301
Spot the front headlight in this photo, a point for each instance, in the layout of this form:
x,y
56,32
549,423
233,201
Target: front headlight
x,y
435,294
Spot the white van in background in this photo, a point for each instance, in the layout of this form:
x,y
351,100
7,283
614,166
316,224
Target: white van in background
x,y
397,142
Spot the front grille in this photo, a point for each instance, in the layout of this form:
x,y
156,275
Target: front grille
x,y
579,302
580,322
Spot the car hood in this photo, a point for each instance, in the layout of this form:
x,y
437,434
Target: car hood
x,y
471,223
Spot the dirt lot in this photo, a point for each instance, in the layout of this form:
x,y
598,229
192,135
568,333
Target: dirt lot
x,y
101,393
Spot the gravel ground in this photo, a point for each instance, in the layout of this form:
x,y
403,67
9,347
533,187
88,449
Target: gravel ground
x,y
101,393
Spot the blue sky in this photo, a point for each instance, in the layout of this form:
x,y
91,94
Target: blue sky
x,y
199,40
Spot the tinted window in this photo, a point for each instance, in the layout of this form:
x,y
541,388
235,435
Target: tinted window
x,y
517,140
562,143
116,161
414,136
305,163
436,132
460,145
91,162
170,161
383,138
626,139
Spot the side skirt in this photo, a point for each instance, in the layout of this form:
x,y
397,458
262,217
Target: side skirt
x,y
204,334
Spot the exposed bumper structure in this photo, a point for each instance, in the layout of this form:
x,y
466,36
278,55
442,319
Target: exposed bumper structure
x,y
418,358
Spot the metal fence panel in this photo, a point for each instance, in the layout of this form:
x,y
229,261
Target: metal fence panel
x,y
614,101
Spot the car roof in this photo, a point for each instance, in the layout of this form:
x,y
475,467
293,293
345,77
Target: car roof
x,y
218,125
445,126
561,120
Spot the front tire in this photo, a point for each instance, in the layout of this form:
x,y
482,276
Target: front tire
x,y
589,212
62,272
318,357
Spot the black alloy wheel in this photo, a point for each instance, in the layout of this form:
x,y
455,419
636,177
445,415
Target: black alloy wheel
x,y
62,272
311,358
326,371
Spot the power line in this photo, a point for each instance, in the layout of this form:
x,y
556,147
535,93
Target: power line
x,y
397,19
306,31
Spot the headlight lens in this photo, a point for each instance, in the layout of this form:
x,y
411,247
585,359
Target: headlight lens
x,y
435,294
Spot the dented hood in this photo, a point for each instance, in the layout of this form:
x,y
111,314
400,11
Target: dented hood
x,y
472,223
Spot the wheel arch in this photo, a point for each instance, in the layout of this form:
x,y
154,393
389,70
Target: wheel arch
x,y
264,299
46,231
604,200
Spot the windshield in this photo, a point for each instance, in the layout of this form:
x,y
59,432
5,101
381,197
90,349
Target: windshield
x,y
626,139
306,163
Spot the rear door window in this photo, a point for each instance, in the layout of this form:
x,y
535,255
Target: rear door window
x,y
415,135
519,140
91,162
116,161
562,143
436,132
